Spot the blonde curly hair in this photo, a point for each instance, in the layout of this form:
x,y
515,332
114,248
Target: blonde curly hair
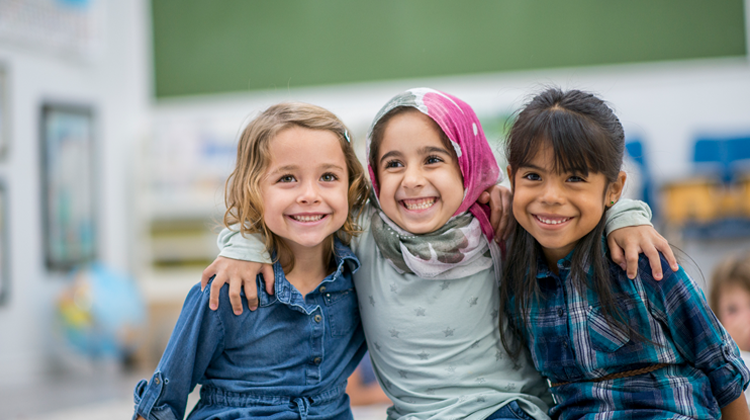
x,y
242,190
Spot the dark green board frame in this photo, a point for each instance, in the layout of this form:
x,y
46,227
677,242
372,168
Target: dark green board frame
x,y
213,46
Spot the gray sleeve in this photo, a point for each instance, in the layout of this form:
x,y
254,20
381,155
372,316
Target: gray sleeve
x,y
626,213
234,245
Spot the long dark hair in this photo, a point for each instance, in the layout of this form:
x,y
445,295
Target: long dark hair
x,y
585,136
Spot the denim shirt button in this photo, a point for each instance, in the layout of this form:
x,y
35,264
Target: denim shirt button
x,y
317,360
318,318
322,289
157,381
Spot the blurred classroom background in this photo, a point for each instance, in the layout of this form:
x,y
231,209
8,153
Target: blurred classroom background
x,y
119,122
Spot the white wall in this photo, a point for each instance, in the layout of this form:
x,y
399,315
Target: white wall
x,y
666,104
116,82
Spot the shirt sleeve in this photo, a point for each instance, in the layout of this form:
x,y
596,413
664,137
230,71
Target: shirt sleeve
x,y
250,247
681,305
626,213
196,339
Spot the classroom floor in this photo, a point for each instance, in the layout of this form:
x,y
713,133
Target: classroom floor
x,y
93,396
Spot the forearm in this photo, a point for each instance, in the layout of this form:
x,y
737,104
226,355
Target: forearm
x,y
736,410
627,212
234,245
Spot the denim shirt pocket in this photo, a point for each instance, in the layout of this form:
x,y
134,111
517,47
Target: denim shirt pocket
x,y
607,335
343,312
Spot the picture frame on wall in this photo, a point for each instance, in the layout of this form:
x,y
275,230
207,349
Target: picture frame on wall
x,y
4,113
68,190
4,241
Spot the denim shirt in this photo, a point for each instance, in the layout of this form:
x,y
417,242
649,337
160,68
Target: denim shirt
x,y
573,345
289,359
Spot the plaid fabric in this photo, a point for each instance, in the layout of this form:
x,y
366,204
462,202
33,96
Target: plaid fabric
x,y
571,341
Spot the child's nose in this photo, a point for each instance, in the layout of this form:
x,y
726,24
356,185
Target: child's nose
x,y
552,194
413,178
310,193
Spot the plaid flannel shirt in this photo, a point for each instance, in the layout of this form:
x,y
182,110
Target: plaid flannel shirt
x,y
571,342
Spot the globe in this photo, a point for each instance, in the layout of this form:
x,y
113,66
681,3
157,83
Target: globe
x,y
101,313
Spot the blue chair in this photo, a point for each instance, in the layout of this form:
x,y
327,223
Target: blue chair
x,y
725,157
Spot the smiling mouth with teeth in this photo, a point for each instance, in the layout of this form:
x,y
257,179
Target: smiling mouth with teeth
x,y
314,218
552,221
418,204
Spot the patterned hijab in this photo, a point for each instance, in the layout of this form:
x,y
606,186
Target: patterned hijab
x,y
463,245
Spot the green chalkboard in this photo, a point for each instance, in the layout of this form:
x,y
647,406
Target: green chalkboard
x,y
217,46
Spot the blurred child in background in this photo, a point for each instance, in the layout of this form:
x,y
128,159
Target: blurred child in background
x,y
730,300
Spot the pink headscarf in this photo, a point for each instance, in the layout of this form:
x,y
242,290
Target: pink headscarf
x,y
459,122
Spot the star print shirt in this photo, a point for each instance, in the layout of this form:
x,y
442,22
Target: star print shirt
x,y
572,344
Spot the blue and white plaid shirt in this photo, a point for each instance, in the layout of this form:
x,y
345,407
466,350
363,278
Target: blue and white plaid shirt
x,y
571,343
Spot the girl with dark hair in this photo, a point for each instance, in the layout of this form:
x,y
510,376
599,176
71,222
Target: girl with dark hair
x,y
607,345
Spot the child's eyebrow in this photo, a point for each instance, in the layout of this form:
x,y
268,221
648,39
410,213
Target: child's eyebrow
x,y
326,166
284,168
432,149
389,154
531,166
332,166
423,151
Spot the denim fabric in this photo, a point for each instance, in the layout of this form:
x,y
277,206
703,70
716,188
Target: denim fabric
x,y
289,359
572,343
510,411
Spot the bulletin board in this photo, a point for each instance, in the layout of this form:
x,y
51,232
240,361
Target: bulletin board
x,y
68,185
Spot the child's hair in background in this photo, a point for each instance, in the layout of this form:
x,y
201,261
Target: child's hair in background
x,y
379,130
585,136
243,192
731,271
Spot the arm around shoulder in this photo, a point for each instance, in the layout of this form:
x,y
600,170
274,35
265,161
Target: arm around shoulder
x,y
232,244
626,213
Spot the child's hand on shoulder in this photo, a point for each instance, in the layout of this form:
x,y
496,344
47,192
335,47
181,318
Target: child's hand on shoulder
x,y
498,198
240,275
625,245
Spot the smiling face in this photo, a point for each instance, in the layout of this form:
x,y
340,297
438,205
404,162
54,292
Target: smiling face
x,y
734,312
420,183
558,209
305,188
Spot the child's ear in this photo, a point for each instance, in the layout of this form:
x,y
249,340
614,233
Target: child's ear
x,y
614,191
510,177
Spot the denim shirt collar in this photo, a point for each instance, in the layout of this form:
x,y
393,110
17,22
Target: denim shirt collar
x,y
345,261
